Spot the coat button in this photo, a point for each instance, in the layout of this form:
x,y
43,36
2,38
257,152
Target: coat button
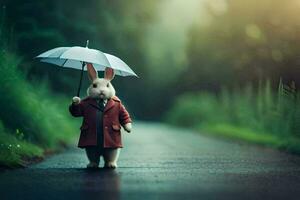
x,y
106,127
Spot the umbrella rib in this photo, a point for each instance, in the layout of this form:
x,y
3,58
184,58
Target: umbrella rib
x,y
64,62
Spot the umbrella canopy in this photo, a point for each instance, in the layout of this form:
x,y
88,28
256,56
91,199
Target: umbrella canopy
x,y
76,57
119,66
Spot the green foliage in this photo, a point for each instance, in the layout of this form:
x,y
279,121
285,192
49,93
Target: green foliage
x,y
204,44
243,41
115,27
235,132
30,108
174,50
15,150
288,143
34,118
191,109
260,117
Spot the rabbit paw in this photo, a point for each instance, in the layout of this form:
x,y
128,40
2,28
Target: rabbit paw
x,y
128,127
92,165
76,100
110,165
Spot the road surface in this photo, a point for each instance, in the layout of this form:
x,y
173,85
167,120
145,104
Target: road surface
x,y
162,162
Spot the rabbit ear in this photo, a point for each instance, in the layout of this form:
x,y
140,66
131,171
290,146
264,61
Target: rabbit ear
x,y
92,73
109,73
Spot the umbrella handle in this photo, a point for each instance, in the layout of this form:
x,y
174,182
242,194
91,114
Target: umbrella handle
x,y
80,81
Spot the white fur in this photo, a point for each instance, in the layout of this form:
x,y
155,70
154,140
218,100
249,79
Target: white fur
x,y
128,127
76,100
111,157
104,89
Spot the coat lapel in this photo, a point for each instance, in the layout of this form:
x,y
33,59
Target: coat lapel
x,y
93,103
109,105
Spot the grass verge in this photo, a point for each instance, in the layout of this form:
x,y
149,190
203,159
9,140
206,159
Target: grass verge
x,y
243,134
15,151
260,116
33,119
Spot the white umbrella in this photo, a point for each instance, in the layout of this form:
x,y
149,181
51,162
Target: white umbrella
x,y
119,66
77,57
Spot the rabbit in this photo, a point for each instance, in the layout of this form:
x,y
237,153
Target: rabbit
x,y
103,116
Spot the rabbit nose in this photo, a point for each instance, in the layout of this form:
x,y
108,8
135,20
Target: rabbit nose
x,y
94,85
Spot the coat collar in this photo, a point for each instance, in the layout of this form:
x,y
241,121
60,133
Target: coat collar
x,y
110,103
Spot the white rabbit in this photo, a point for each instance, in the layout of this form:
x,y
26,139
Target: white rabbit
x,y
103,115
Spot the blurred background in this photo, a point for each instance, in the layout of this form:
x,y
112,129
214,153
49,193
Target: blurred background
x,y
228,67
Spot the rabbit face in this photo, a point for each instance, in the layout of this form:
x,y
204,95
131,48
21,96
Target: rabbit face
x,y
101,88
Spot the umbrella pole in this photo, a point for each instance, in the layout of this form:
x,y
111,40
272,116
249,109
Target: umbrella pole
x,y
81,74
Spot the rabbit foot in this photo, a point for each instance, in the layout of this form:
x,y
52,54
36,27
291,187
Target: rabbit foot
x,y
92,165
110,165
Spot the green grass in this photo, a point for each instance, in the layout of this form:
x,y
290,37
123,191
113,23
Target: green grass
x,y
244,134
41,115
259,116
15,151
266,139
31,109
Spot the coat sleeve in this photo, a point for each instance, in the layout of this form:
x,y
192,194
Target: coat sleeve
x,y
76,110
124,116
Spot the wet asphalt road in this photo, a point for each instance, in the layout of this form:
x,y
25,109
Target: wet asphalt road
x,y
161,162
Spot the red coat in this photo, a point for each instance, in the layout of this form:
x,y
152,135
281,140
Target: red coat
x,y
114,116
